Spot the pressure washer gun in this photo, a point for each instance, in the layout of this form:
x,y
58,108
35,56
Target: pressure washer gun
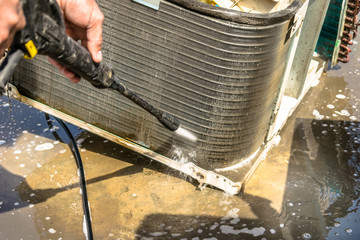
x,y
45,34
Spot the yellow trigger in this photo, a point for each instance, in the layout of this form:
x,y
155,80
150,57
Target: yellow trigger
x,y
31,48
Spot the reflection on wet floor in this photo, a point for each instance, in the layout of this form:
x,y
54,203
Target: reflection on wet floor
x,y
307,188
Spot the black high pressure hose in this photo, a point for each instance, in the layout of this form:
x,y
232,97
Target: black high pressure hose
x,y
86,208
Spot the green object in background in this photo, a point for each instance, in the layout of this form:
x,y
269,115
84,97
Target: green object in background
x,y
330,36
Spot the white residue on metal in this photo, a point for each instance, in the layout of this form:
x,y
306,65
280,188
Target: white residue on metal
x,y
44,146
240,164
186,134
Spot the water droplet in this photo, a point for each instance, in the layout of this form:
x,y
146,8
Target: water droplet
x,y
348,230
337,224
17,151
340,96
52,231
2,142
44,146
291,204
306,236
272,231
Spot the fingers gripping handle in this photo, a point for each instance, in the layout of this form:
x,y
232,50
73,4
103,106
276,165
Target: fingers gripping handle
x,y
76,58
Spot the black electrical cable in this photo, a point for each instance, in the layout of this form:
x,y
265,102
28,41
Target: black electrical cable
x,y
78,160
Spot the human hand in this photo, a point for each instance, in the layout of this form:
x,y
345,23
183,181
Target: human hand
x,y
12,19
83,21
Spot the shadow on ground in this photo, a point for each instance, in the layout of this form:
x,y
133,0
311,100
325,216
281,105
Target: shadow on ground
x,y
322,187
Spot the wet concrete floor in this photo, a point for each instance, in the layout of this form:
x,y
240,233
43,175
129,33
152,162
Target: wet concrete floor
x,y
306,188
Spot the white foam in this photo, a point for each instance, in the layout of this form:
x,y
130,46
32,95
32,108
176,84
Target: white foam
x,y
340,96
317,115
225,229
17,151
62,151
158,234
44,146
